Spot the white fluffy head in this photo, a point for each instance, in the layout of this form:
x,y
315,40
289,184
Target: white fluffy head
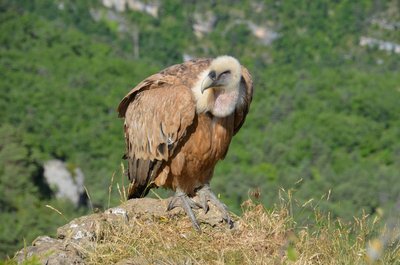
x,y
217,88
228,70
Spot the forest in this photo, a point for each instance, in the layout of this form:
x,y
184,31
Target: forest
x,y
323,127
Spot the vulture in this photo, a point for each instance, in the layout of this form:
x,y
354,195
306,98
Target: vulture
x,y
179,124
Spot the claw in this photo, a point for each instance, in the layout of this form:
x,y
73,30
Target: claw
x,y
206,195
204,202
173,203
181,199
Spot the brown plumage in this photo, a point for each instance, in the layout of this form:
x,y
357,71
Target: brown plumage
x,y
179,124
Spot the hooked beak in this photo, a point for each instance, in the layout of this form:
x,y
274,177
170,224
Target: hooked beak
x,y
209,81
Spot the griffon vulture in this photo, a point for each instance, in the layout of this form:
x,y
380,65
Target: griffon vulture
x,y
179,124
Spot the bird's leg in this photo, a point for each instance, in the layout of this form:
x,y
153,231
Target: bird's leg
x,y
182,199
206,195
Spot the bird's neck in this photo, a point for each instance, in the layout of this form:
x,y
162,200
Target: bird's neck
x,y
219,102
224,102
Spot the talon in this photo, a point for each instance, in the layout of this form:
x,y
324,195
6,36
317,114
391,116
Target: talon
x,y
172,203
206,195
181,199
204,202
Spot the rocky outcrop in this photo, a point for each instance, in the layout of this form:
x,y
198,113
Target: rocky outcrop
x,y
203,23
83,233
136,5
380,44
65,183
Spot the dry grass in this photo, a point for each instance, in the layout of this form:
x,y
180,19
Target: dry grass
x,y
260,237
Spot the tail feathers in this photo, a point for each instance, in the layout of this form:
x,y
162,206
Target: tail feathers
x,y
141,174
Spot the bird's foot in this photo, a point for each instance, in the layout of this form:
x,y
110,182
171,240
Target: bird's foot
x,y
182,200
205,194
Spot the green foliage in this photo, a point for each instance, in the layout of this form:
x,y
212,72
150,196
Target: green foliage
x,y
22,204
29,261
325,116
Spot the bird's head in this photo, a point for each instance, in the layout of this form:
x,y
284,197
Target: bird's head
x,y
218,87
223,74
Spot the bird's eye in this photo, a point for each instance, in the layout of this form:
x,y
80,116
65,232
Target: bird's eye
x,y
212,75
224,74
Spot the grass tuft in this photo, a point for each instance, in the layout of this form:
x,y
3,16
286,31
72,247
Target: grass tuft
x,y
260,236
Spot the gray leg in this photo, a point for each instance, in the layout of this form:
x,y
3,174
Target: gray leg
x,y
206,195
181,199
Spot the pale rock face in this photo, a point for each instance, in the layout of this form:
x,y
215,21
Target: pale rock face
x,y
187,57
203,23
380,44
136,5
263,33
64,184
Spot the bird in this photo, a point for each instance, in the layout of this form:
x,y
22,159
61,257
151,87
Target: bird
x,y
179,123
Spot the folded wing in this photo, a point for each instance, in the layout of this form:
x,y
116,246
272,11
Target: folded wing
x,y
157,115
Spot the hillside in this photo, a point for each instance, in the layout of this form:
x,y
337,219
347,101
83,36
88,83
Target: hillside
x,y
140,231
325,120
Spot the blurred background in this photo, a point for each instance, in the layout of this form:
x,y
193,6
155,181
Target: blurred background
x,y
323,128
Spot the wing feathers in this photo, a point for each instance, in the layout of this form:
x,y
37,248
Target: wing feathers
x,y
246,95
153,80
153,129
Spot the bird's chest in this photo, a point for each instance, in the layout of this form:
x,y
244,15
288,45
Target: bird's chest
x,y
206,144
210,140
222,132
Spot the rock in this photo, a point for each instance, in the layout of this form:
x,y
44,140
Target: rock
x,y
136,5
187,57
380,44
203,23
263,33
65,184
85,232
51,251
